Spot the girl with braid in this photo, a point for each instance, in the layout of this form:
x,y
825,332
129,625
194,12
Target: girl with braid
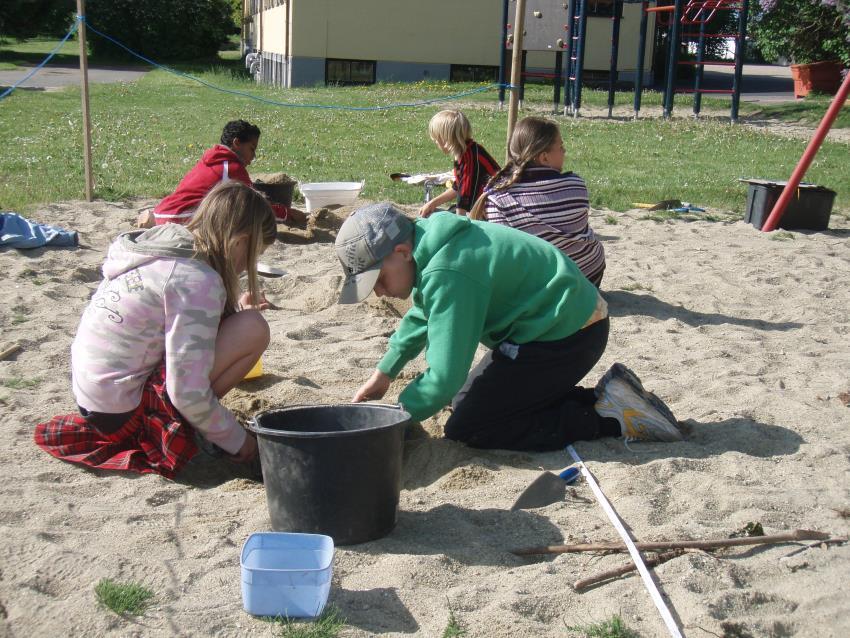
x,y
532,194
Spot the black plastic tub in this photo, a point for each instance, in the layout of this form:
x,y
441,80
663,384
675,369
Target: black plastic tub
x,y
809,209
332,469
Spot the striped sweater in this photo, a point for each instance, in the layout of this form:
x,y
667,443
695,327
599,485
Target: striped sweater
x,y
554,207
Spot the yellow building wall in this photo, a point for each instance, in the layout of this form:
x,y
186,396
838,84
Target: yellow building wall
x,y
272,32
436,31
417,31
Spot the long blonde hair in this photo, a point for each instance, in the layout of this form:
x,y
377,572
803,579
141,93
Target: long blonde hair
x,y
531,137
231,210
451,129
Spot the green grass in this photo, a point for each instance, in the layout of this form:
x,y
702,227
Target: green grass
x,y
123,598
19,383
327,625
453,628
781,235
809,110
14,54
147,134
612,628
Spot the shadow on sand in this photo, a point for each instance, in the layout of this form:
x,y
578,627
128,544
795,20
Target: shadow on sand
x,y
622,303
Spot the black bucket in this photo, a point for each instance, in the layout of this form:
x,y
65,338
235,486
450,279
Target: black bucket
x,y
332,469
278,193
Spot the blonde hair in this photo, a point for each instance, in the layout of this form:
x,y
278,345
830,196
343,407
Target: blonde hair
x,y
451,129
231,210
531,137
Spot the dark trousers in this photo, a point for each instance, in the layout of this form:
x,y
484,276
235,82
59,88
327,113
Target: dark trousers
x,y
524,397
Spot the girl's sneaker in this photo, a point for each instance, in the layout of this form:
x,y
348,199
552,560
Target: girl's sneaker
x,y
642,415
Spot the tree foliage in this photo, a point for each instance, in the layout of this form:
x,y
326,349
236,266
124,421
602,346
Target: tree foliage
x,y
22,19
803,31
161,29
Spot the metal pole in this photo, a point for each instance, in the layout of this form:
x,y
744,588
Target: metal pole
x,y
808,156
523,66
516,64
503,54
582,32
556,82
672,59
615,51
570,27
644,16
84,86
739,59
700,68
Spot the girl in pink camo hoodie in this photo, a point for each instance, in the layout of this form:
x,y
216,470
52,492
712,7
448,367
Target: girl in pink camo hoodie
x,y
162,340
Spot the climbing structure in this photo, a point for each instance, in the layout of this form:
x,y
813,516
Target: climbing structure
x,y
562,27
686,21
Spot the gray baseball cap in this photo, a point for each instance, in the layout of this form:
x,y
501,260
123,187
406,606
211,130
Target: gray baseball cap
x,y
367,236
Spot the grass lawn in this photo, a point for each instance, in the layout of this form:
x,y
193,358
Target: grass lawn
x,y
147,134
15,54
808,111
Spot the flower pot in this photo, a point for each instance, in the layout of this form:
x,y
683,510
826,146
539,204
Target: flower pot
x,y
824,77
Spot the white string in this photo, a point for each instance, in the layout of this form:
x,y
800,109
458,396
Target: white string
x,y
618,525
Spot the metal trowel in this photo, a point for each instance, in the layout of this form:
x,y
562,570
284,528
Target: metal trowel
x,y
546,489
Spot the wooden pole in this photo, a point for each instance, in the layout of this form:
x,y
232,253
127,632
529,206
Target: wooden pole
x,y
584,583
84,85
786,537
516,71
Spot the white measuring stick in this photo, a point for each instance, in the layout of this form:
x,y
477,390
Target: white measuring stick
x,y
618,525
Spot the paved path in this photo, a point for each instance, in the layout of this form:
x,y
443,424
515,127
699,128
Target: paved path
x,y
763,83
55,76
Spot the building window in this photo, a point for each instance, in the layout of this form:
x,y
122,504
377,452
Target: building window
x,y
600,8
473,73
349,71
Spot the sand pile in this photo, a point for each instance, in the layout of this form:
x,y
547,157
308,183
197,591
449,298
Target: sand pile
x,y
747,337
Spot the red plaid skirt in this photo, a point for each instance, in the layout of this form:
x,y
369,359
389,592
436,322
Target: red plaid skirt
x,y
155,439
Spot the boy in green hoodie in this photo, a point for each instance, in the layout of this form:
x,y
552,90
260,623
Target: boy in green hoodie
x,y
546,326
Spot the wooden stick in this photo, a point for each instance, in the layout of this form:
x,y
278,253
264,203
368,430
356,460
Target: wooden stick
x,y
8,352
583,583
516,69
796,535
84,89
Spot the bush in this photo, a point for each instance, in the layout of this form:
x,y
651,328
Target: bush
x,y
21,19
803,31
161,29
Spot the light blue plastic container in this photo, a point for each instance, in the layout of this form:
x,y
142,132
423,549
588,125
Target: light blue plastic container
x,y
286,574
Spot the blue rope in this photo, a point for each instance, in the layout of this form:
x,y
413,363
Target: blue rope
x,y
50,55
290,104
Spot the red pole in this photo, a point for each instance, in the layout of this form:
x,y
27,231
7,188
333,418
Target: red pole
x,y
808,156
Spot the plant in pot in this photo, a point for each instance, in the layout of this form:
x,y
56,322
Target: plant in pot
x,y
813,34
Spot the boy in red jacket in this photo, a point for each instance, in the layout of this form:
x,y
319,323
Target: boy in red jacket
x,y
220,163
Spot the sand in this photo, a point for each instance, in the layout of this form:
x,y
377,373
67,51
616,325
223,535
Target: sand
x,y
747,338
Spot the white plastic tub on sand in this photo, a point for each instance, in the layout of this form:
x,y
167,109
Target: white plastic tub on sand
x,y
320,194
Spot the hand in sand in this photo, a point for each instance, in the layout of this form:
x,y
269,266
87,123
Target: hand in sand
x,y
375,388
248,451
428,208
246,303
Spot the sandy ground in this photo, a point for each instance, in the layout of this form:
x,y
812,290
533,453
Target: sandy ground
x,y
746,336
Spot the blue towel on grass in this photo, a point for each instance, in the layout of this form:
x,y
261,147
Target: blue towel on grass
x,y
19,232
